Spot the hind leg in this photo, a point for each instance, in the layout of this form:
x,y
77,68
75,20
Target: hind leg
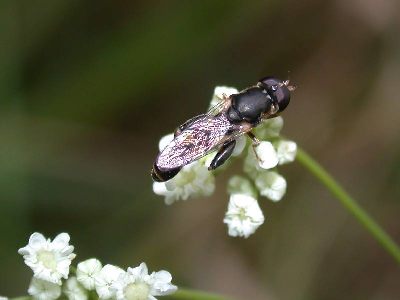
x,y
222,155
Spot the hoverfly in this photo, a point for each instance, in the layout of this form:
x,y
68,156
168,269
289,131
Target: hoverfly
x,y
219,128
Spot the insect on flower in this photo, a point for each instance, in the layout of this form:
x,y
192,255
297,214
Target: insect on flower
x,y
219,128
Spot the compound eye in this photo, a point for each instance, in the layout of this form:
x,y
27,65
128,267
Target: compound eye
x,y
277,90
271,83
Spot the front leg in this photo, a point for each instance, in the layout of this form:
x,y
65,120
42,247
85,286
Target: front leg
x,y
222,155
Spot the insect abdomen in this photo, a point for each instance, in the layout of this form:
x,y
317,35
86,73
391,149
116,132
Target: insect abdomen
x,y
160,176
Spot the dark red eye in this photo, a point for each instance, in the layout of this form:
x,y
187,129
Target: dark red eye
x,y
278,91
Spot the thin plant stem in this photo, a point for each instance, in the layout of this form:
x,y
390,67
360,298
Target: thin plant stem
x,y
349,203
185,294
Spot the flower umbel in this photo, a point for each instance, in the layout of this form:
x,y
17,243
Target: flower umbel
x,y
137,284
49,260
110,282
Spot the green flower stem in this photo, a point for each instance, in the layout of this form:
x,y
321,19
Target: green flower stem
x,y
349,203
181,294
186,294
72,269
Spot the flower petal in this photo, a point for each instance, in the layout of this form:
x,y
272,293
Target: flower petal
x,y
240,145
165,140
269,128
61,241
74,291
286,151
159,188
87,271
44,290
271,185
219,92
244,215
36,240
267,155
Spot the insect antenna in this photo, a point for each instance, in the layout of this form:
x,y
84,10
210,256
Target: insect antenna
x,y
291,87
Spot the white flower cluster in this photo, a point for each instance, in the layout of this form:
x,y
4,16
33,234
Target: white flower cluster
x,y
51,260
193,180
244,215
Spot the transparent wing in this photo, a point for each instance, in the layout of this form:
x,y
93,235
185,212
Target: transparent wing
x,y
219,107
198,139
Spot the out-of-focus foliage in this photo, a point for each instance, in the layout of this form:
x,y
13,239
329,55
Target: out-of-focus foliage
x,y
87,88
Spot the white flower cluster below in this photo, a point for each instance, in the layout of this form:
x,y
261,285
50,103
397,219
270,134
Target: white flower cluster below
x,y
51,260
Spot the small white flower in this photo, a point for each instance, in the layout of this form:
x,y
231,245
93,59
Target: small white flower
x,y
269,128
251,166
267,157
137,284
219,92
165,140
105,279
43,289
87,271
3,298
286,151
74,290
49,260
240,185
244,215
193,180
271,185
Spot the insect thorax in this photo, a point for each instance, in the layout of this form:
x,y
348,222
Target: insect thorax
x,y
249,105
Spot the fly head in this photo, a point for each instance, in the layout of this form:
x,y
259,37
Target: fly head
x,y
278,90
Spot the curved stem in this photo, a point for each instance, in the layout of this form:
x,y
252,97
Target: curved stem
x,y
349,203
194,295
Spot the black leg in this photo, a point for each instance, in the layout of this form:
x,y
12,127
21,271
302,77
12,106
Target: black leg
x,y
255,140
222,155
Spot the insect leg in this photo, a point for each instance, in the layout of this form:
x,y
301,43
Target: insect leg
x,y
222,155
223,98
255,140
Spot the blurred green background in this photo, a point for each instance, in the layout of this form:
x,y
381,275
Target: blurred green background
x,y
87,88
